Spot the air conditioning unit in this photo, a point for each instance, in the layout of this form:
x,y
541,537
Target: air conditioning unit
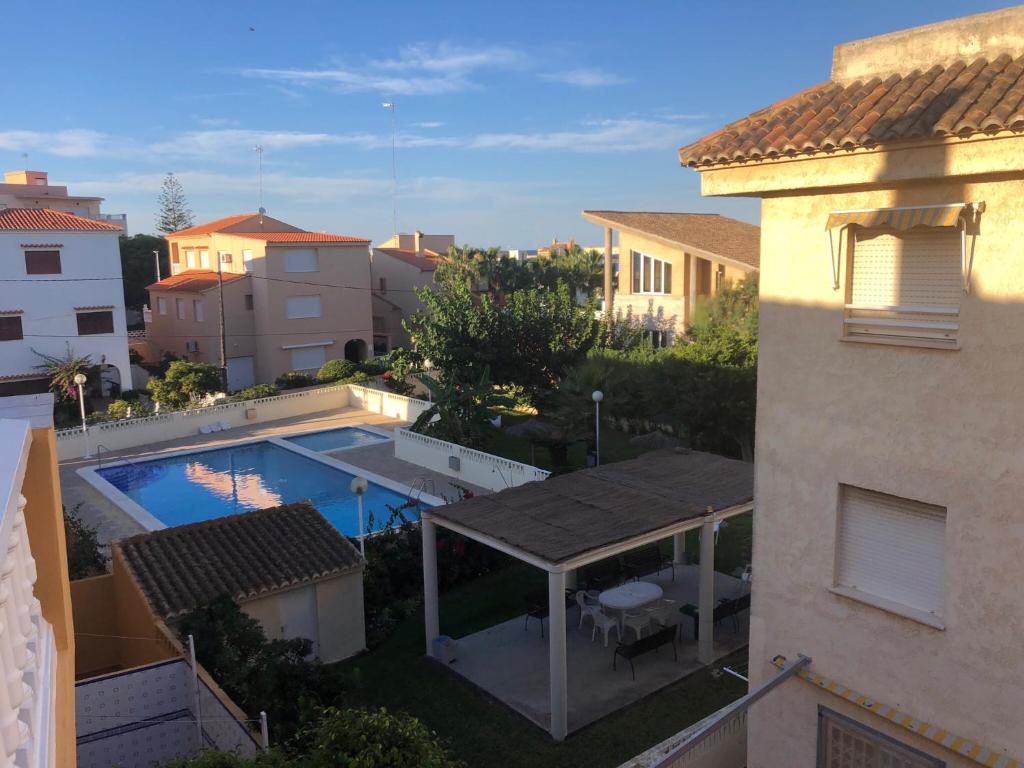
x,y
192,346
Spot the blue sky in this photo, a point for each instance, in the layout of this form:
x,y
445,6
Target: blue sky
x,y
512,117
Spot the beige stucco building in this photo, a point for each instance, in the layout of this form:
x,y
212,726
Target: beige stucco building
x,y
669,262
293,299
889,457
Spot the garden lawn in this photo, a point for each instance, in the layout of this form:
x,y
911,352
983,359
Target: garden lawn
x,y
615,446
482,731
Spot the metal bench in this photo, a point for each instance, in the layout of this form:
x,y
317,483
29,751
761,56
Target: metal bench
x,y
726,608
646,561
652,642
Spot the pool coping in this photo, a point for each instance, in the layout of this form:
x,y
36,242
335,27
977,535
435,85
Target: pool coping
x,y
150,522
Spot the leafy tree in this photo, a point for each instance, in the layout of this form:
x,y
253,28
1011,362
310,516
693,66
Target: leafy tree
x,y
85,555
139,267
214,758
460,411
174,213
62,371
183,383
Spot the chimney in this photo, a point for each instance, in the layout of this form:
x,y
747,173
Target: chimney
x,y
417,242
33,178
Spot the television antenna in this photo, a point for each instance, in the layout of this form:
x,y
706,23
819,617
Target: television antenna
x,y
259,178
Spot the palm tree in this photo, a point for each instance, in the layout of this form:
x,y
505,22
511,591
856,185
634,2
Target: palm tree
x,y
62,371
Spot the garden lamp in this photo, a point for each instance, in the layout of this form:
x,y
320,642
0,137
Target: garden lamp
x,y
359,486
598,396
79,380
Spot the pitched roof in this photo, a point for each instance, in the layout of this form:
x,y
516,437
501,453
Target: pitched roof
x,y
422,263
283,236
300,237
244,556
45,219
193,281
584,512
214,226
958,99
717,235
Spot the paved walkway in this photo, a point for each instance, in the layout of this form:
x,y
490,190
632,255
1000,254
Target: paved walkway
x,y
112,522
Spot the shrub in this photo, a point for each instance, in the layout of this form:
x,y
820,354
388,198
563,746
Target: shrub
x,y
256,392
119,409
85,556
213,758
183,383
294,380
336,370
132,395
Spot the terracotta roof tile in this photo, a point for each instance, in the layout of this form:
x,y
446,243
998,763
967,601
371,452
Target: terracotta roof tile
x,y
193,281
44,219
956,99
214,226
300,237
728,238
426,263
243,556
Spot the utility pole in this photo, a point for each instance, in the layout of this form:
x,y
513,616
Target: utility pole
x,y
223,337
390,105
156,256
259,179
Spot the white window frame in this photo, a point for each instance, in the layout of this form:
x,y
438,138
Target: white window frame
x,y
161,305
651,273
298,260
190,258
303,307
204,258
224,257
247,260
198,311
179,308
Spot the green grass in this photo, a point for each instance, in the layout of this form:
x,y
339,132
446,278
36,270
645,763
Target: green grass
x,y
484,732
615,446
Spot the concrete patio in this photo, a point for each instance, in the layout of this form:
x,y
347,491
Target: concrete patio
x,y
511,663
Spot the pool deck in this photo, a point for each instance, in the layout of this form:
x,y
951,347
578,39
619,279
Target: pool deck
x,y
112,522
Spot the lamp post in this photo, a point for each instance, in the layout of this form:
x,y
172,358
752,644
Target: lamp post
x,y
79,381
359,486
598,396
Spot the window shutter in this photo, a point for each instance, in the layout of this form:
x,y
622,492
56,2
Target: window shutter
x,y
303,306
308,358
300,260
892,548
848,744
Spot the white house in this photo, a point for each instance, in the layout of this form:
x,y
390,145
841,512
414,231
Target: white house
x,y
60,291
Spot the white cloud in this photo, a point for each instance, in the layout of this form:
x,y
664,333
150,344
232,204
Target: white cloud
x,y
419,70
66,143
611,135
428,124
220,143
585,77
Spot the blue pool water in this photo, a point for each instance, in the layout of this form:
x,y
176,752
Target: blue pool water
x,y
334,439
203,485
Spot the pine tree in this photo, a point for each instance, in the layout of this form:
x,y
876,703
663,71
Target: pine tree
x,y
174,212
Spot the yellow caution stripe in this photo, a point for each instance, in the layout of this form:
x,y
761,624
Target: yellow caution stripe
x,y
970,749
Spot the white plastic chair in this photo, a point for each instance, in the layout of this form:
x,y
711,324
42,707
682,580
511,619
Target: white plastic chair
x,y
605,623
638,622
224,425
205,429
586,607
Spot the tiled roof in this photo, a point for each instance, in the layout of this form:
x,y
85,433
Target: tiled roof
x,y
214,226
422,263
243,556
300,237
44,219
193,281
717,235
961,99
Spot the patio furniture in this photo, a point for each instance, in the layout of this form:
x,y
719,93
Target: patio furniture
x,y
665,612
604,575
726,608
652,642
588,606
649,560
638,622
629,596
537,611
605,623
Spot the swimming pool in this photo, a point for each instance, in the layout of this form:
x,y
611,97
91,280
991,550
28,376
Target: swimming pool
x,y
192,486
338,438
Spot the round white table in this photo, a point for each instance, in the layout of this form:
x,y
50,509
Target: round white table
x,y
631,595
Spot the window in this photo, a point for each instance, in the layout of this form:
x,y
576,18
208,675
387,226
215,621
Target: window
x,y
651,275
303,306
308,358
161,305
92,323
247,260
42,262
190,259
197,310
179,308
380,345
890,552
383,285
300,260
248,301
204,259
905,285
845,743
10,328
225,258
175,258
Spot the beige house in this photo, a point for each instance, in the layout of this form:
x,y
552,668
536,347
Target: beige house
x,y
32,189
400,266
293,299
669,262
889,529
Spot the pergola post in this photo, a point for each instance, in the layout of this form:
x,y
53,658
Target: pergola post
x,y
433,626
706,597
679,548
557,656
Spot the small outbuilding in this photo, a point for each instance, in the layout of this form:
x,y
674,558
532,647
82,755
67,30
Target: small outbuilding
x,y
286,566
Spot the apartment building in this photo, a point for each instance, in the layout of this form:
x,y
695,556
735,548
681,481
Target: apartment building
x,y
37,643
60,293
889,456
673,261
293,299
32,189
400,266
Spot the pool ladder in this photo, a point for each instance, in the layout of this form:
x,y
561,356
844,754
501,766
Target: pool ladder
x,y
419,487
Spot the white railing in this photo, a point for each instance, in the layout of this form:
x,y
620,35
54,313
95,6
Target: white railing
x,y
27,651
484,470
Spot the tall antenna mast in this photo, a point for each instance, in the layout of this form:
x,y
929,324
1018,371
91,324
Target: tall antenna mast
x,y
259,178
390,105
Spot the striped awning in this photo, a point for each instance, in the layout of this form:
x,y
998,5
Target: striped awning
x,y
899,218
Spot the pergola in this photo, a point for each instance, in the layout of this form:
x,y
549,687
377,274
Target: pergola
x,y
572,520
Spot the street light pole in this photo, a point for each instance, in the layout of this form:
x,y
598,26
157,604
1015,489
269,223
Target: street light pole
x,y
597,396
156,256
359,486
79,381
